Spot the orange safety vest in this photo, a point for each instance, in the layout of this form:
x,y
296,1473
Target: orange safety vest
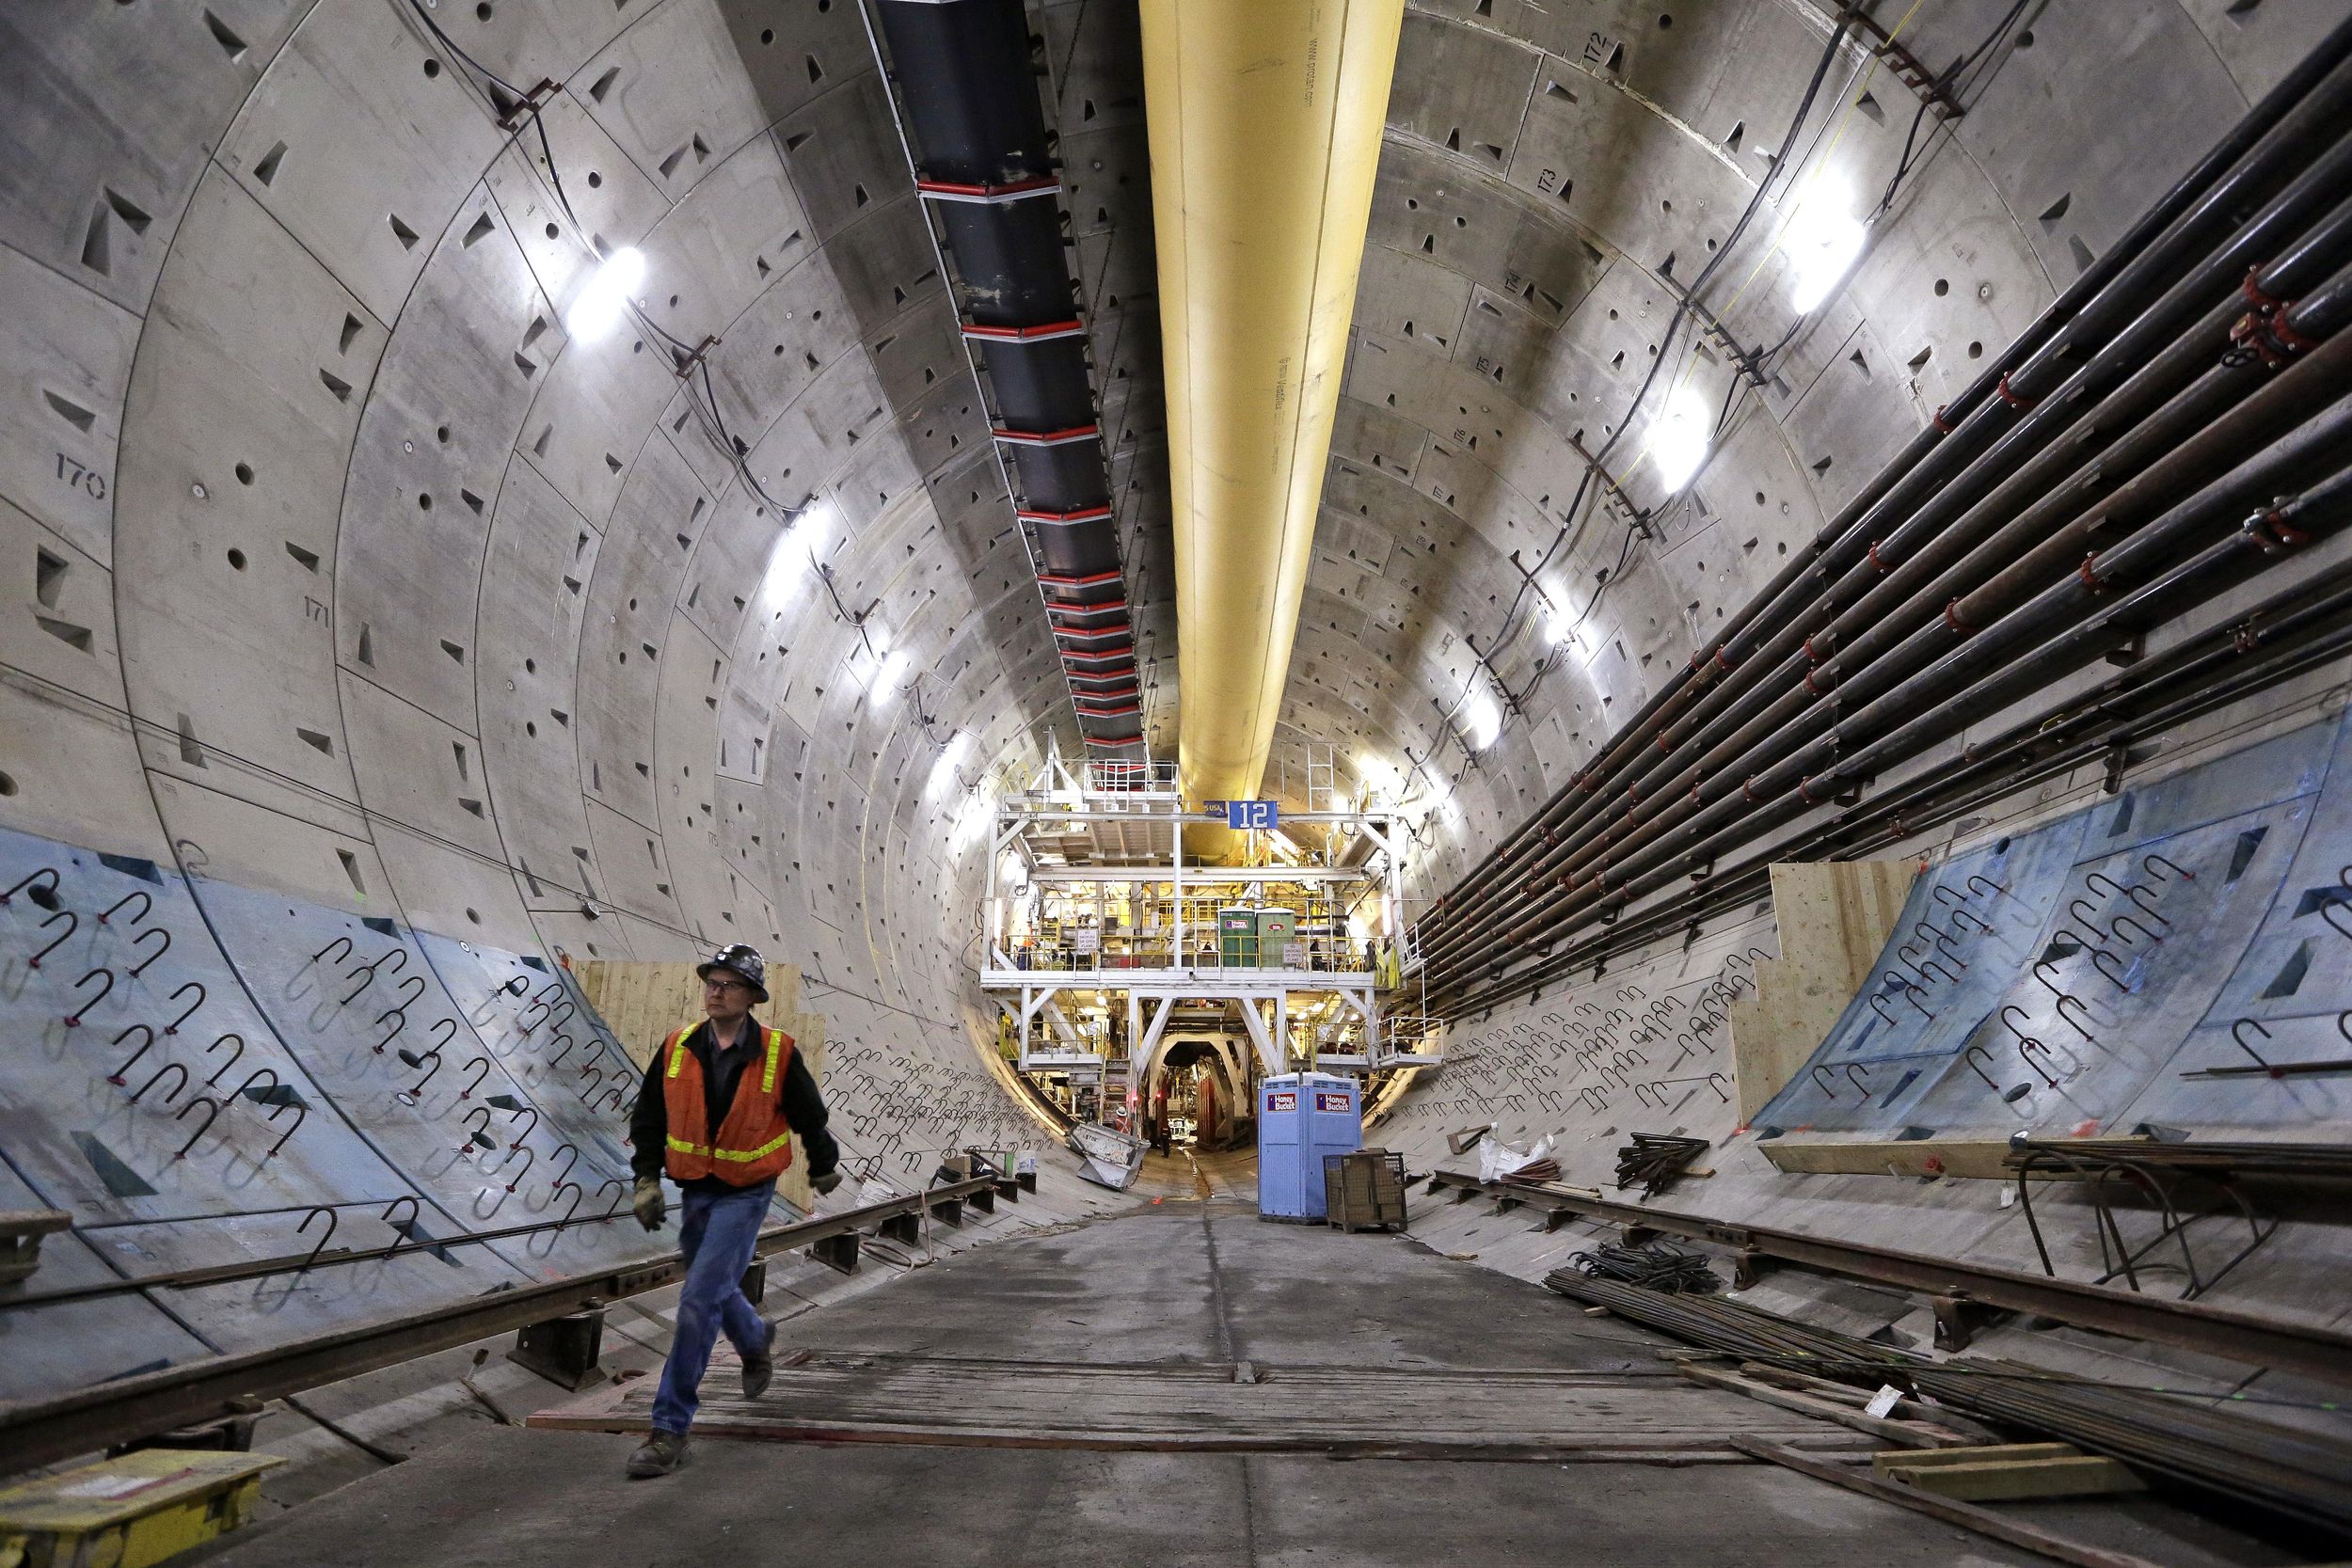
x,y
752,1144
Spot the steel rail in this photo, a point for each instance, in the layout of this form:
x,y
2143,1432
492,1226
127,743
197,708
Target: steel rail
x,y
43,1432
2204,194
2237,1336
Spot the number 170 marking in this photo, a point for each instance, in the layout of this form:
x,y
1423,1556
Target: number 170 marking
x,y
88,480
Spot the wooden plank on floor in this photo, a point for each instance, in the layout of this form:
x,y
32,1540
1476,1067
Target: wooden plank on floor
x,y
1508,1413
2079,1475
1982,1520
1912,1435
1989,1454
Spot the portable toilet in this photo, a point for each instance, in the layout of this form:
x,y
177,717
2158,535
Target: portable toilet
x,y
1302,1116
1237,936
1276,929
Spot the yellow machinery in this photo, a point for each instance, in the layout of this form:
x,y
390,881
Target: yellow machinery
x,y
137,1508
1265,120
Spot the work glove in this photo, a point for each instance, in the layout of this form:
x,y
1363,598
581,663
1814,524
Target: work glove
x,y
826,1182
651,1209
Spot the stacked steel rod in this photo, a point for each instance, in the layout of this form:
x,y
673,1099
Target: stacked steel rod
x,y
1655,1160
2170,428
2305,1474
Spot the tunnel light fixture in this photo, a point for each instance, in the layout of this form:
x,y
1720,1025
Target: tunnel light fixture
x,y
888,678
951,757
1822,242
1482,722
596,309
1678,441
813,526
1559,624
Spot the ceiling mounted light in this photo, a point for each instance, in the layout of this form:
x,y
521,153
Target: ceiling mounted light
x,y
1821,240
596,309
1559,624
893,671
951,757
1677,442
1482,722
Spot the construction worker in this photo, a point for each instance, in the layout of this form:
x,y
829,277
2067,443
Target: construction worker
x,y
732,1074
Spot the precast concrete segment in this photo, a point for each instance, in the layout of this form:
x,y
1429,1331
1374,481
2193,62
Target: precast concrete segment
x,y
1266,134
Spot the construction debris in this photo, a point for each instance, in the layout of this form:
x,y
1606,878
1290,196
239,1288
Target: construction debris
x,y
1658,1265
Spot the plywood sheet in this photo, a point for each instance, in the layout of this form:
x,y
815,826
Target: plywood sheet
x,y
1835,919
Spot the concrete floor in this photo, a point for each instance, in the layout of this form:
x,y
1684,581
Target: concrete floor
x,y
1176,1279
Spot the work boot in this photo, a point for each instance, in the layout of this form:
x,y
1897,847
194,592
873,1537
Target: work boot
x,y
661,1453
759,1368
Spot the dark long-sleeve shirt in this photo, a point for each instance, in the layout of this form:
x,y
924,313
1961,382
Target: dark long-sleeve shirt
x,y
803,1106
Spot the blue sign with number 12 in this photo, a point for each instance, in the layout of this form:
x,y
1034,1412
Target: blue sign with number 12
x,y
1261,814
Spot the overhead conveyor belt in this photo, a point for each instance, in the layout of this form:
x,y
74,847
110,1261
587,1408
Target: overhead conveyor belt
x,y
961,75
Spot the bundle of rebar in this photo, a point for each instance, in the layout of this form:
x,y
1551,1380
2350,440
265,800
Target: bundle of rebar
x,y
1655,1160
2302,1474
1654,1265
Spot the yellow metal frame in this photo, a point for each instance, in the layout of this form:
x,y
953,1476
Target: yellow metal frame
x,y
1265,119
128,1512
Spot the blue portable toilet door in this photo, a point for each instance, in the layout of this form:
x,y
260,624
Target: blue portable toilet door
x,y
1334,1125
1281,1147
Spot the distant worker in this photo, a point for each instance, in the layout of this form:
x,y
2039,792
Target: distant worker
x,y
733,1073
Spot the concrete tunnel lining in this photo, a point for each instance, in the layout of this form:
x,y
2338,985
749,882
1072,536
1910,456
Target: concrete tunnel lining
x,y
364,604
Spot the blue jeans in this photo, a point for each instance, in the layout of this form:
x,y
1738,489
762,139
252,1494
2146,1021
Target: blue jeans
x,y
717,1232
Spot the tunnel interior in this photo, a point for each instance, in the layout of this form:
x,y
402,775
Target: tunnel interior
x,y
1798,612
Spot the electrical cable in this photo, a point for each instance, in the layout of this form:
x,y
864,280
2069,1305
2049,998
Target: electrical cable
x,y
1950,81
374,1451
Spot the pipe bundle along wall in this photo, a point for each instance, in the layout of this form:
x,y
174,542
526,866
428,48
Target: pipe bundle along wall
x,y
2120,381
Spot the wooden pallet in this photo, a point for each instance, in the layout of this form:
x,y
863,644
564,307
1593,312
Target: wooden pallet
x,y
1357,1411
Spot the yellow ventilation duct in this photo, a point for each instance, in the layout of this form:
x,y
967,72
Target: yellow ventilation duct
x,y
1265,119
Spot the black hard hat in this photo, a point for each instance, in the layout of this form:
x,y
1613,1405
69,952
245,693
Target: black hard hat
x,y
741,960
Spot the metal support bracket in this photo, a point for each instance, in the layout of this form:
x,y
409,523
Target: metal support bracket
x,y
1957,1319
838,1253
1747,1267
564,1350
